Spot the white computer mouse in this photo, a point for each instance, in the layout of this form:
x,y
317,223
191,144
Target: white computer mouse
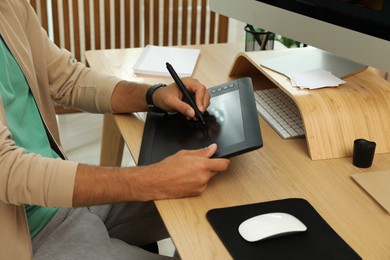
x,y
270,225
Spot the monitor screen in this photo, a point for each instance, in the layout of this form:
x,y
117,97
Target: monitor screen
x,y
365,16
358,30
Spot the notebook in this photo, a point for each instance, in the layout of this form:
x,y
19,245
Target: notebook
x,y
319,241
232,122
153,59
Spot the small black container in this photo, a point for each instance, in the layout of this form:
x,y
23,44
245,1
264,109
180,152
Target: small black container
x,y
363,153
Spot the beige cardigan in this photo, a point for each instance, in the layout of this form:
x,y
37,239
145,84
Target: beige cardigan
x,y
52,75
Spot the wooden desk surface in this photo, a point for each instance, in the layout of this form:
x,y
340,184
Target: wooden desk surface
x,y
281,169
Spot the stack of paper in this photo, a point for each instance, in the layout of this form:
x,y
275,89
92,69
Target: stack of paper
x,y
153,60
314,79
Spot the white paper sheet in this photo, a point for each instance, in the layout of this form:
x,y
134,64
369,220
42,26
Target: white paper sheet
x,y
314,79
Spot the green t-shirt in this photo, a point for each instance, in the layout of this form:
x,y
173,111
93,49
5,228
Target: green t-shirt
x,y
25,124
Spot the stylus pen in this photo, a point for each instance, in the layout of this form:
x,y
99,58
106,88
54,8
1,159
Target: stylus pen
x,y
186,95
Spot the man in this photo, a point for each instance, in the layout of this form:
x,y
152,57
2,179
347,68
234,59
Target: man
x,y
46,199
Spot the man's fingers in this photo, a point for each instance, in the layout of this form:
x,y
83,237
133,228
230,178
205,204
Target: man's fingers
x,y
214,165
204,152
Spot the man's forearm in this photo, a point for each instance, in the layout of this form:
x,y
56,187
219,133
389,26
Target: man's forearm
x,y
129,97
101,185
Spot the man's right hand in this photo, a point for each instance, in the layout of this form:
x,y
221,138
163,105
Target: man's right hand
x,y
183,174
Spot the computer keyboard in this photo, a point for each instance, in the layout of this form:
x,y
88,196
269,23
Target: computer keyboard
x,y
280,111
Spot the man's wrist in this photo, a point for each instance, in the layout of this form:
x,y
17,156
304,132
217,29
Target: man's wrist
x,y
149,98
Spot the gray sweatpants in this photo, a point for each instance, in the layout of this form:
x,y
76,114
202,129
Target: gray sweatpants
x,y
101,232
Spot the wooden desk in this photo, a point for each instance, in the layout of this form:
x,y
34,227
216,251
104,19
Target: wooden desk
x,y
281,169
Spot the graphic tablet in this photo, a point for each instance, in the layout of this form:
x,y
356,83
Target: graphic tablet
x,y
231,122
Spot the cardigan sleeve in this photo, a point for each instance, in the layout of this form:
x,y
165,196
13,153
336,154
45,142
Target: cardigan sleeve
x,y
72,84
27,178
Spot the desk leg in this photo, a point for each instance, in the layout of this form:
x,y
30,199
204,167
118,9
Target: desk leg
x,y
111,152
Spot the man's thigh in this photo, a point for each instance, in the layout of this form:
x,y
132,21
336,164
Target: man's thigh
x,y
83,233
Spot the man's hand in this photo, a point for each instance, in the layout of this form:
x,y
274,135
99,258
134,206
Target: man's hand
x,y
170,98
183,174
129,97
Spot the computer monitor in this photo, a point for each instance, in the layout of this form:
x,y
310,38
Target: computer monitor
x,y
358,30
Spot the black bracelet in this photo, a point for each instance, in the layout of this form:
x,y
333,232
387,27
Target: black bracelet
x,y
149,98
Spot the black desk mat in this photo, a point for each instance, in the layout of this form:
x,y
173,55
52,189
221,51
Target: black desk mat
x,y
320,241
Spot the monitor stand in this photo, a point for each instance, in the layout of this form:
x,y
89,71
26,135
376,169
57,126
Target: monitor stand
x,y
312,58
333,117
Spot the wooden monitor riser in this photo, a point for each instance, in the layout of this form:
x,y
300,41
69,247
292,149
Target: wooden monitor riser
x,y
333,117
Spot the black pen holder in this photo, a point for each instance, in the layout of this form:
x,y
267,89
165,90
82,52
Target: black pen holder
x,y
258,39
